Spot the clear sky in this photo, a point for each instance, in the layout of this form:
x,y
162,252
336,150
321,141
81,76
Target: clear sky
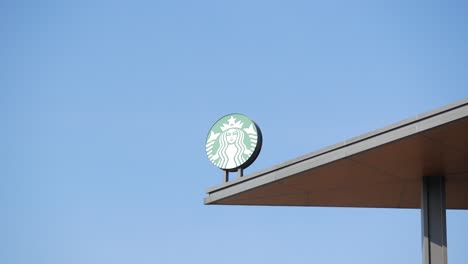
x,y
105,106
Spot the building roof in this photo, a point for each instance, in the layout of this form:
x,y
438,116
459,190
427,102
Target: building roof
x,y
383,168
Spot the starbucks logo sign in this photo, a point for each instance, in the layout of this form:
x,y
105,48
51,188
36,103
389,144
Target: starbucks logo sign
x,y
233,142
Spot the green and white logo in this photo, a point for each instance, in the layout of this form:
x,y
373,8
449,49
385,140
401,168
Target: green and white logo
x,y
233,142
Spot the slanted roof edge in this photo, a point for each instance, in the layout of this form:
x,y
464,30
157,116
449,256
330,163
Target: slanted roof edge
x,y
410,125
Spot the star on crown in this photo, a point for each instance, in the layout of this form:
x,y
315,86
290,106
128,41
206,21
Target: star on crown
x,y
232,123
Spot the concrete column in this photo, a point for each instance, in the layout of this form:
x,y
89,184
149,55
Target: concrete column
x,y
434,228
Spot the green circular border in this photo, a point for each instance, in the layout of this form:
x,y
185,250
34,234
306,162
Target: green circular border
x,y
254,154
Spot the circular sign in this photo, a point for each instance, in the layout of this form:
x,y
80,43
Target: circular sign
x,y
233,142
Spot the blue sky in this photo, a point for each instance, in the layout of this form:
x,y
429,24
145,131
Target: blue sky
x,y
106,105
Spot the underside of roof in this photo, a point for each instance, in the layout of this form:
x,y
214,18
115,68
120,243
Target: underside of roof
x,y
383,168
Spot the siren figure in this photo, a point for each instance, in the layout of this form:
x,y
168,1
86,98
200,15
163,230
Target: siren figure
x,y
232,151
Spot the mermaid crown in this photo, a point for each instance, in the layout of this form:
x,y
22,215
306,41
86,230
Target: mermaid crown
x,y
232,123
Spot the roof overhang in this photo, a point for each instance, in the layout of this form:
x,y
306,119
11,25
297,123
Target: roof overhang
x,y
383,168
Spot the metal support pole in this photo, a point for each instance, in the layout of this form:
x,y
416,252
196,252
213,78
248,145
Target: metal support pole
x,y
434,228
226,176
240,172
